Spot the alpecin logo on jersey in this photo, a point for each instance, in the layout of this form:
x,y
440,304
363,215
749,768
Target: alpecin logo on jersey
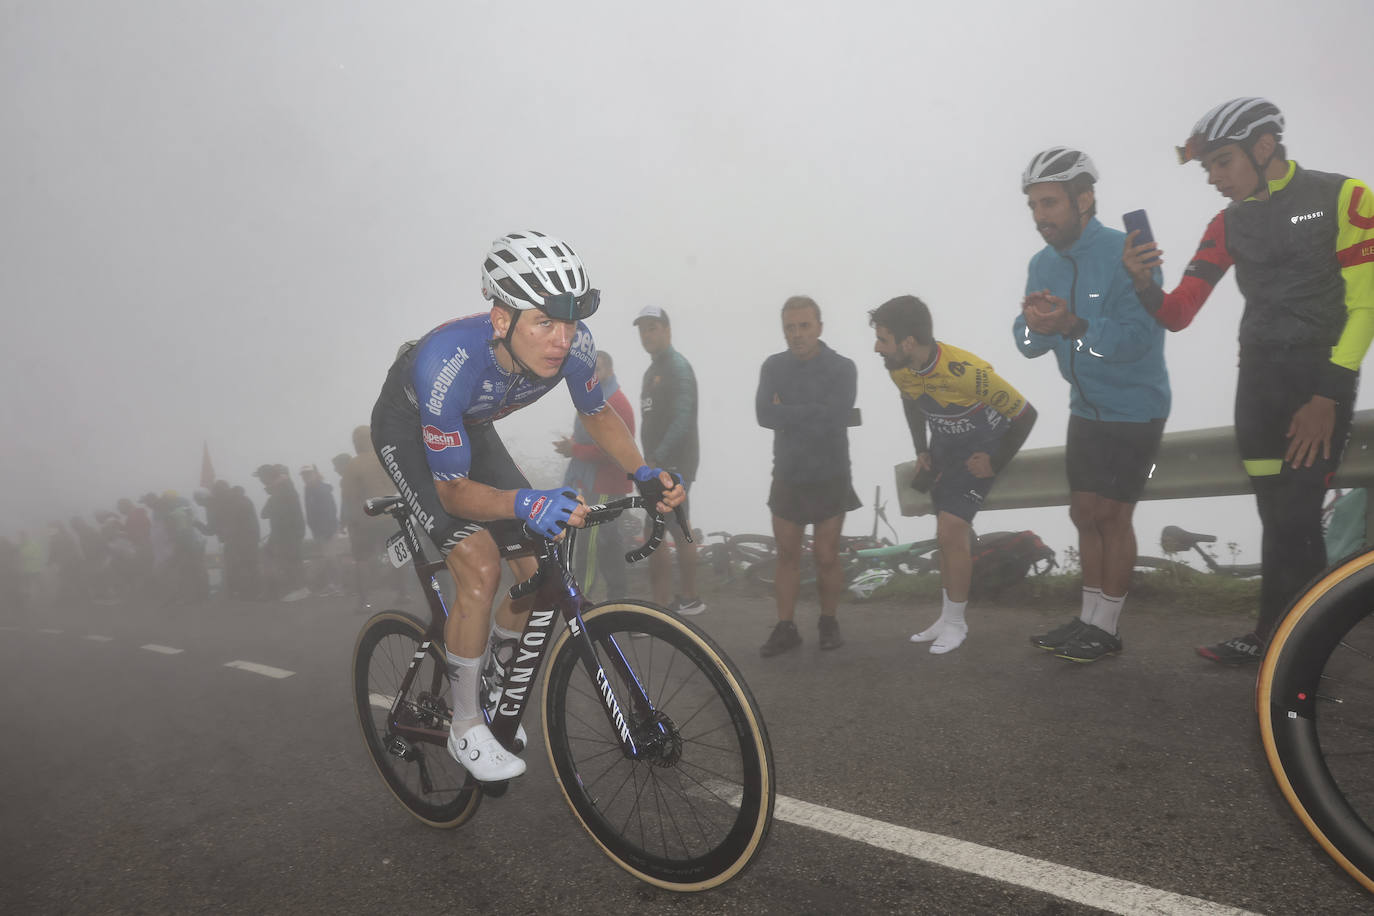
x,y
436,440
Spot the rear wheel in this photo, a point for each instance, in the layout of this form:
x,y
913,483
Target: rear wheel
x,y
420,773
1315,698
693,809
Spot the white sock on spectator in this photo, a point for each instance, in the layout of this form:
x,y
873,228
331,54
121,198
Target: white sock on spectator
x,y
1089,610
932,632
1108,612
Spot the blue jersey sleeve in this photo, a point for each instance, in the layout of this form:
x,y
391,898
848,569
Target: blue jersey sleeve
x,y
443,391
580,371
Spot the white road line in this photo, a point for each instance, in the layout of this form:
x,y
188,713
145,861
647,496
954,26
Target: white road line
x,y
264,670
94,637
1110,894
165,650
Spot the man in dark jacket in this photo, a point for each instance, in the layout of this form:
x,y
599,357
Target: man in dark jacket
x,y
285,567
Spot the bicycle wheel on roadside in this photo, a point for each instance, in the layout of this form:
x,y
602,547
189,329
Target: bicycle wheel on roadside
x,y
1315,698
424,778
693,811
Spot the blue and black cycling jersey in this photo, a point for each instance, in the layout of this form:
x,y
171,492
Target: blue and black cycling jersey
x,y
455,383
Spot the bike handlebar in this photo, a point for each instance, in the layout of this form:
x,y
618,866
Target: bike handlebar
x,y
547,550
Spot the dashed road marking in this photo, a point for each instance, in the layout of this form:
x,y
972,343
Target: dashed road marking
x,y
264,670
165,650
96,637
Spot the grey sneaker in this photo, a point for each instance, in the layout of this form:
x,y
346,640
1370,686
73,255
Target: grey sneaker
x,y
690,607
830,632
783,638
1059,635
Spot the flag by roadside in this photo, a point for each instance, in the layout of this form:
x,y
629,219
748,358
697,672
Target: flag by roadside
x,y
207,470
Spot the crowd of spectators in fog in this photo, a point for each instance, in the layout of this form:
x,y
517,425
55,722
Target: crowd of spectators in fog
x,y
155,548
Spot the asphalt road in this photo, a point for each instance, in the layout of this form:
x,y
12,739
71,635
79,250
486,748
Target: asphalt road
x,y
137,780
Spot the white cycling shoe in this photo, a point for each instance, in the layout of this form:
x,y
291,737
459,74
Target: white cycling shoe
x,y
483,756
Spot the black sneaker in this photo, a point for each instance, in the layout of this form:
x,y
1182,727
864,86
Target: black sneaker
x,y
1089,644
1241,650
1059,635
783,638
830,632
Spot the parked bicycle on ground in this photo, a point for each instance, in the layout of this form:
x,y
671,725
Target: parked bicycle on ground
x,y
652,734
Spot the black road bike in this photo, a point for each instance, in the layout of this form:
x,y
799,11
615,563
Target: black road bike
x,y
652,734
1315,699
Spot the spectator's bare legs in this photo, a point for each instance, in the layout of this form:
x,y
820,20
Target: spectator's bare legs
x,y
956,572
661,570
1107,551
787,572
825,550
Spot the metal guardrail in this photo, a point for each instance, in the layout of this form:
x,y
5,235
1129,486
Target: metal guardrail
x,y
1191,463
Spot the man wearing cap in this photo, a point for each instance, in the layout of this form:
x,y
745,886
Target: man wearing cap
x,y
1302,243
668,429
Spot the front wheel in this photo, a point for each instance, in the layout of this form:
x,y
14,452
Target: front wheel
x,y
418,770
1315,698
693,809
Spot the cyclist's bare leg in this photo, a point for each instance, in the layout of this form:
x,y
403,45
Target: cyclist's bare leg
x,y
512,614
787,570
825,548
475,564
956,561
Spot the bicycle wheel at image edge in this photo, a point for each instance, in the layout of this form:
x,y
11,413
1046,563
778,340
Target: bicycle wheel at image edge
x,y
694,811
424,778
1315,699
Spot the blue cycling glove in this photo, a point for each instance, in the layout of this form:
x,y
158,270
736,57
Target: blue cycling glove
x,y
545,511
648,483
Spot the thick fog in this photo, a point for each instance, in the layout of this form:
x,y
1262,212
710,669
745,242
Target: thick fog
x,y
219,219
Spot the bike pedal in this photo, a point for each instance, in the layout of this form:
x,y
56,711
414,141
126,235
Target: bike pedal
x,y
495,789
397,746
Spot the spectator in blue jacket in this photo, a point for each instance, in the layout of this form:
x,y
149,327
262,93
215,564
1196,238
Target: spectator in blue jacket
x,y
1081,305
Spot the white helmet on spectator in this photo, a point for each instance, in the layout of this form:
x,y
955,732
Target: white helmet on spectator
x,y
1058,163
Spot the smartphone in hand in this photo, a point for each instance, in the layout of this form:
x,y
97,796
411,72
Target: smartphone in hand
x,y
1136,221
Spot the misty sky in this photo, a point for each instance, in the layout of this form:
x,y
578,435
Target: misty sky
x,y
219,219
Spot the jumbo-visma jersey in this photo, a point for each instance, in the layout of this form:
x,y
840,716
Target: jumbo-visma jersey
x,y
966,403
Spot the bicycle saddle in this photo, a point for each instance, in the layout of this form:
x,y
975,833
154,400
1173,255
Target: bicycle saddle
x,y
1174,539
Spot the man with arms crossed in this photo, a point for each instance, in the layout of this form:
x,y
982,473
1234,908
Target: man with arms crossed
x,y
1302,243
978,422
805,396
433,430
1081,306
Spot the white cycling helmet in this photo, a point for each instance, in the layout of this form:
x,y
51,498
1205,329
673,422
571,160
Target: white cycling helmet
x,y
528,270
1058,163
1230,122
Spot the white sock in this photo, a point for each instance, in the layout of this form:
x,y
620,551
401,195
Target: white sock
x,y
947,610
464,682
1090,596
1108,612
955,628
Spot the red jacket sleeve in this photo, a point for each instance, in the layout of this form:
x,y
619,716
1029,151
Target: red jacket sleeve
x,y
621,405
1210,262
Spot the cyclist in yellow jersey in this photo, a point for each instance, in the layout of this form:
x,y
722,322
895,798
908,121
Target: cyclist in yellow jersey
x,y
977,422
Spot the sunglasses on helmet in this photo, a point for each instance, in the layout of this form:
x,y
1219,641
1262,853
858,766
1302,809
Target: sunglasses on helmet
x,y
568,307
